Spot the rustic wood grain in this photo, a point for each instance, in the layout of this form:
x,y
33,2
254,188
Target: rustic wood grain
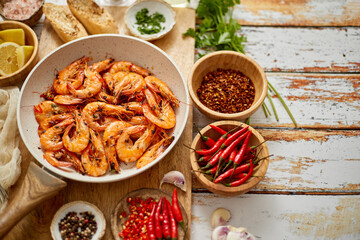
x,y
274,217
317,101
279,49
298,13
311,161
106,196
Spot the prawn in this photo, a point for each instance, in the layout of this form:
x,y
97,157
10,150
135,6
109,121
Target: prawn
x,y
130,84
154,151
81,137
51,121
102,65
93,158
67,100
159,86
47,109
71,75
51,139
165,119
152,101
92,85
125,66
53,157
93,112
135,107
127,150
110,136
73,158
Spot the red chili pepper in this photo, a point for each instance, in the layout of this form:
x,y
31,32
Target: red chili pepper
x,y
216,147
218,129
204,158
213,161
212,171
242,168
166,221
173,224
239,176
242,180
151,224
207,140
240,155
232,146
176,210
158,231
232,155
234,136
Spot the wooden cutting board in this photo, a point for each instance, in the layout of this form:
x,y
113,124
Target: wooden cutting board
x,y
36,225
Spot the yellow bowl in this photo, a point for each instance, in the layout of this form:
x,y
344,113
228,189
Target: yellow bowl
x,y
228,60
218,188
30,39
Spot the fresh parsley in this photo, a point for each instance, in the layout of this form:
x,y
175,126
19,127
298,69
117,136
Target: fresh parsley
x,y
215,32
149,24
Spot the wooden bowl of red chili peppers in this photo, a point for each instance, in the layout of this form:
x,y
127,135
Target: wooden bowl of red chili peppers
x,y
229,157
227,85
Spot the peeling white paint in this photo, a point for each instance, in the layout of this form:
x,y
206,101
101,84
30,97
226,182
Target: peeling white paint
x,y
304,49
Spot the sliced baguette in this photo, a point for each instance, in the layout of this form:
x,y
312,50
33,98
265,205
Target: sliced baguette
x,y
66,26
95,19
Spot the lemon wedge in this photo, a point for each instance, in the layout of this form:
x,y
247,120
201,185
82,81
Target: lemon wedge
x,y
13,35
8,58
28,50
20,56
23,54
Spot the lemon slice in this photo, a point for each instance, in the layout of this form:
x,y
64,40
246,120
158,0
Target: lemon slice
x,y
8,58
13,35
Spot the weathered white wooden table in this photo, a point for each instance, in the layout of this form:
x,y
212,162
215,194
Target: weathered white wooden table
x,y
310,50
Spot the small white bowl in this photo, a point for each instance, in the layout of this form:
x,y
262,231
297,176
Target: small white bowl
x,y
153,6
78,206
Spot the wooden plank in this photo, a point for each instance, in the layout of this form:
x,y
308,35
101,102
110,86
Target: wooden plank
x,y
274,217
311,161
317,101
304,49
106,196
298,13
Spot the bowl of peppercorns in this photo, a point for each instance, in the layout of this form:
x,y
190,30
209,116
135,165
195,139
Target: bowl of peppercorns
x,y
78,220
227,85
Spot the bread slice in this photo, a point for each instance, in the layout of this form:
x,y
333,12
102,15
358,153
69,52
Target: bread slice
x,y
95,19
66,26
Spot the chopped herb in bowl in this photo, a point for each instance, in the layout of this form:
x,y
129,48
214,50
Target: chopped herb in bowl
x,y
149,24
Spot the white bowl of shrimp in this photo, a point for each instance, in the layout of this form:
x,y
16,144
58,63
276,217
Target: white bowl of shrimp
x,y
103,108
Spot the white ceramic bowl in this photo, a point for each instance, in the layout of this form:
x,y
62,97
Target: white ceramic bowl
x,y
78,207
153,6
99,47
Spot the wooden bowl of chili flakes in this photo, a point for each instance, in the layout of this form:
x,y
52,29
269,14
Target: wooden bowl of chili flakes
x,y
227,85
207,177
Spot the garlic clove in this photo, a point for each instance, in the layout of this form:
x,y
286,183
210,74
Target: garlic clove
x,y
220,233
176,178
220,217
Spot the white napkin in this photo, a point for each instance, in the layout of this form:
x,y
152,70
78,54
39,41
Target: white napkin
x,y
10,157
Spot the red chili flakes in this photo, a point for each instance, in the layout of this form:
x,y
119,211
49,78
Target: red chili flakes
x,y
226,91
135,225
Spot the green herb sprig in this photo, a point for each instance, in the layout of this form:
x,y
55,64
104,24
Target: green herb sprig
x,y
149,24
215,33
